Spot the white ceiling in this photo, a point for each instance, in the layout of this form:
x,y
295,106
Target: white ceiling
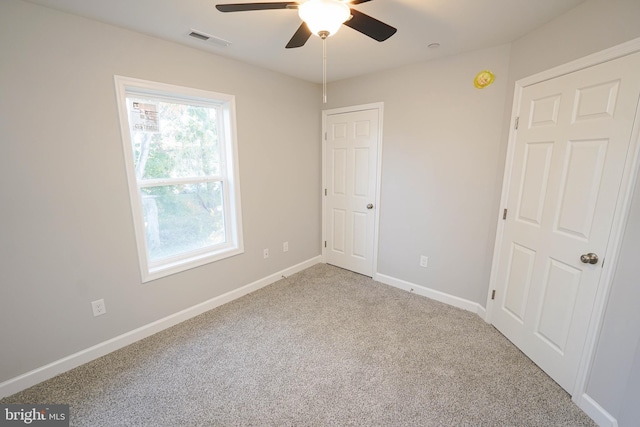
x,y
259,37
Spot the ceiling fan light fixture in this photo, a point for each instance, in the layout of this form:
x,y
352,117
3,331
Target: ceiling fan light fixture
x,y
324,17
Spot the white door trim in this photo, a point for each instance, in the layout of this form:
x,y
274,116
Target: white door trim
x,y
373,106
623,205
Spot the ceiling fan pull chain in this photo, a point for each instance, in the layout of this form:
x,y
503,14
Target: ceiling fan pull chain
x,y
324,70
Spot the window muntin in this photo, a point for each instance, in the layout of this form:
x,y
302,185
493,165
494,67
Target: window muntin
x,y
182,168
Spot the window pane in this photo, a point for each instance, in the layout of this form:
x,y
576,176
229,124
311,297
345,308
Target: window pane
x,y
173,140
182,218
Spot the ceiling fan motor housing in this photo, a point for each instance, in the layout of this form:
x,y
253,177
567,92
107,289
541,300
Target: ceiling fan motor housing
x,y
324,17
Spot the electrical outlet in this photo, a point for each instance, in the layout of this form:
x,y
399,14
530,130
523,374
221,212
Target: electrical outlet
x,y
98,307
285,247
423,261
265,253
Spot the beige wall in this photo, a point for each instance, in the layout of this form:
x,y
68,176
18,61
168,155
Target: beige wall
x,y
67,235
441,142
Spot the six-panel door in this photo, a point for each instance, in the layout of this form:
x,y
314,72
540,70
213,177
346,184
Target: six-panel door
x,y
570,150
350,172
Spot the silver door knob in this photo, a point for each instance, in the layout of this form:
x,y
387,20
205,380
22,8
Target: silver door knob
x,y
589,258
369,206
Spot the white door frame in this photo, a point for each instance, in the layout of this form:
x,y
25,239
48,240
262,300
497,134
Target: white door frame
x,y
623,206
373,106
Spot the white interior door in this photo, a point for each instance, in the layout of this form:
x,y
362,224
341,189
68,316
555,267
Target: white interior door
x,y
351,156
570,149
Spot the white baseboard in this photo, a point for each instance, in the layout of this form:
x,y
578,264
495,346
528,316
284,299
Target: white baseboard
x,y
43,373
595,411
462,303
481,311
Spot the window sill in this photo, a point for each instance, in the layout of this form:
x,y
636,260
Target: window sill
x,y
169,268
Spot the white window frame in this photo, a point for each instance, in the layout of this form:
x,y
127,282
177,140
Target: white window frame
x,y
229,175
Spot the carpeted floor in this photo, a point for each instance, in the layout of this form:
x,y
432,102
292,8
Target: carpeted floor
x,y
324,347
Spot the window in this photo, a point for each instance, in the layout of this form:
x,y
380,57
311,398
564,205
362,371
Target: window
x,y
181,157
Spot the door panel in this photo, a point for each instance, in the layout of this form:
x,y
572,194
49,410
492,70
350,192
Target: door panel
x,y
339,183
361,172
544,111
351,163
359,234
559,289
580,187
339,229
535,175
569,155
596,102
519,280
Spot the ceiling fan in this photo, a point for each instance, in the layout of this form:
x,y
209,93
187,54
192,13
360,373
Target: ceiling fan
x,y
322,18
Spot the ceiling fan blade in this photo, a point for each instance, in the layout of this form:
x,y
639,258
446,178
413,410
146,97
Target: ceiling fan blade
x,y
369,26
358,1
300,37
241,7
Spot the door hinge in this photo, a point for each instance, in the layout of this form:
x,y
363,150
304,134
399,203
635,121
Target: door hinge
x,y
493,294
325,191
325,136
325,243
504,214
516,123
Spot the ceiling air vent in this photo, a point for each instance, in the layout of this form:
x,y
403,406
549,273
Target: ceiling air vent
x,y
200,35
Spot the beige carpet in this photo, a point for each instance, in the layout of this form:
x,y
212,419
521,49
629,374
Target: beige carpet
x,y
324,347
